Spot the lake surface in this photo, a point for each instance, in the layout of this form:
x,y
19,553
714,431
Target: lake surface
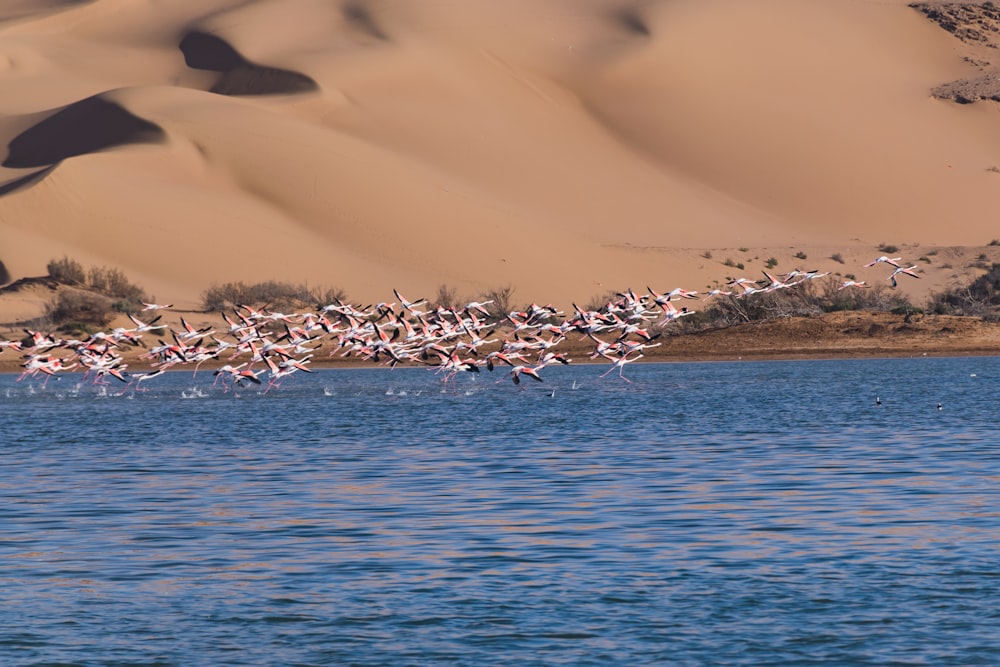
x,y
749,513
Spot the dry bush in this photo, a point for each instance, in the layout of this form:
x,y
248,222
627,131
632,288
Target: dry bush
x,y
447,297
66,271
878,297
799,301
328,295
79,309
599,301
113,283
503,301
97,278
980,298
271,293
124,296
808,299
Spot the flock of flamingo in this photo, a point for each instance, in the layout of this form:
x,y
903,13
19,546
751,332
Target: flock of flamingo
x,y
470,338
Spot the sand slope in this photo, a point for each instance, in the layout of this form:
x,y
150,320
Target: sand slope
x,y
563,147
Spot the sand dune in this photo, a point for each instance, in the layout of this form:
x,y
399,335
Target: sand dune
x,y
563,147
59,137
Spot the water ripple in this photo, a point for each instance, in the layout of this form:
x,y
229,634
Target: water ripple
x,y
747,513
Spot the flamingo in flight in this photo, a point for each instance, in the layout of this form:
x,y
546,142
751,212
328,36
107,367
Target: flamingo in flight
x,y
138,378
410,305
886,260
900,270
620,365
530,371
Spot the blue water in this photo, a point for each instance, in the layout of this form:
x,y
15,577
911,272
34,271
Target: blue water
x,y
751,513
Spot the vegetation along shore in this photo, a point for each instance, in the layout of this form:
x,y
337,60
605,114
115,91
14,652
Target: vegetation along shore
x,y
96,320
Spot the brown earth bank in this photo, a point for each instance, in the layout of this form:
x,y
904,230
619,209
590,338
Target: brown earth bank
x,y
844,334
836,335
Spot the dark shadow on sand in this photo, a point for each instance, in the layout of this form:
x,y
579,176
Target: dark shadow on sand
x,y
90,125
25,181
239,76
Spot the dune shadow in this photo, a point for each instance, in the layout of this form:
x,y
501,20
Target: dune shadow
x,y
4,274
357,15
25,181
239,76
90,125
633,23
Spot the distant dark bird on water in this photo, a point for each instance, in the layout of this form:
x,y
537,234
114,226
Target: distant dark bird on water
x,y
878,401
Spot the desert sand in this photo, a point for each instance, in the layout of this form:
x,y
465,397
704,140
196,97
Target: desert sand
x,y
561,147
